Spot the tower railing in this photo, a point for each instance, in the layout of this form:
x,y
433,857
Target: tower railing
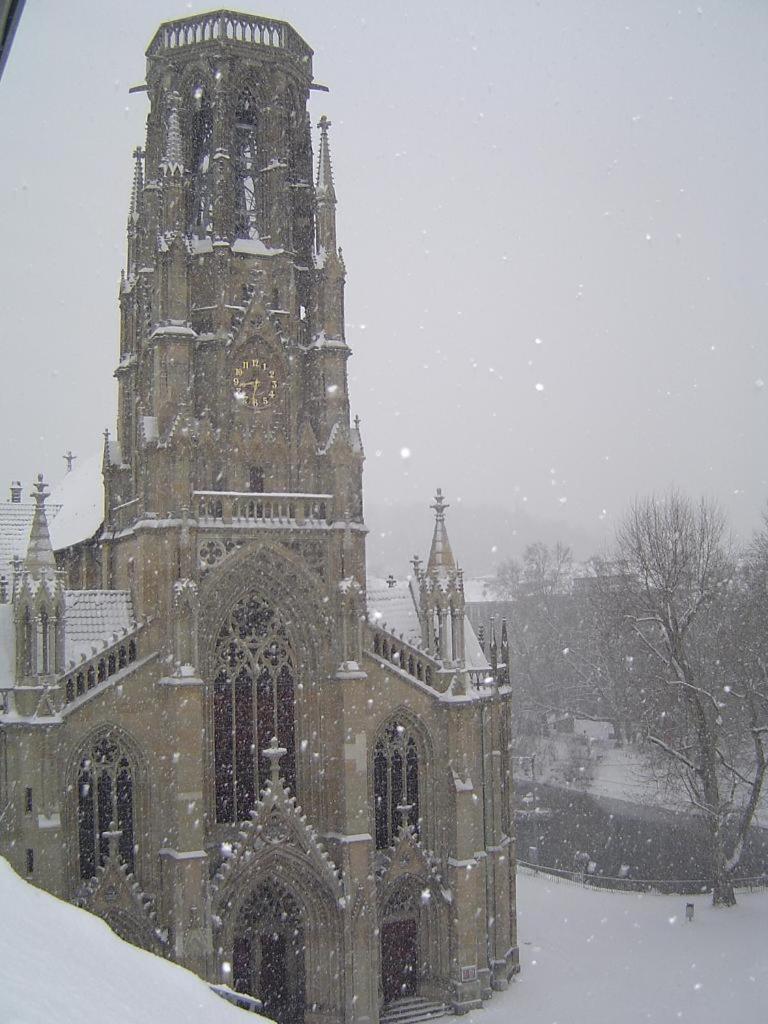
x,y
412,660
277,509
101,666
230,26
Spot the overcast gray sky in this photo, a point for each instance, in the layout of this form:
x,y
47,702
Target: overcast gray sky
x,y
553,217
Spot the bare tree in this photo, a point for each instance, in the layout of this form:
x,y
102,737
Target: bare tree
x,y
506,584
690,608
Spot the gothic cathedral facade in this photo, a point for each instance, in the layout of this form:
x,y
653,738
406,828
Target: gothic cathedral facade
x,y
216,732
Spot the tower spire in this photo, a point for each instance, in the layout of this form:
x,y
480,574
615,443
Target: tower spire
x,y
441,558
325,193
40,550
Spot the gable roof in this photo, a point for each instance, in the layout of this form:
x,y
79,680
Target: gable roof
x,y
92,617
396,606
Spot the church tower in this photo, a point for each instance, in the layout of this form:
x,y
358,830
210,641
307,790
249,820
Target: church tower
x,y
224,739
232,373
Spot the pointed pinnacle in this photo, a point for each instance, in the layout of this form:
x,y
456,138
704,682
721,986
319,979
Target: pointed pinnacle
x,y
325,187
138,183
40,550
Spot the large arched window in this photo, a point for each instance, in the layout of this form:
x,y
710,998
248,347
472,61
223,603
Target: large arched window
x,y
395,783
253,697
104,802
201,164
246,168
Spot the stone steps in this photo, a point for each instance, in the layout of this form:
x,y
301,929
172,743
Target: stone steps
x,y
413,1010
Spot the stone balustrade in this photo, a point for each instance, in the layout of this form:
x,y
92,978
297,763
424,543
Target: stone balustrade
x,y
230,26
405,656
97,669
277,509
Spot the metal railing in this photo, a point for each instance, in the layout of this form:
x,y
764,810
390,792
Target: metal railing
x,y
664,886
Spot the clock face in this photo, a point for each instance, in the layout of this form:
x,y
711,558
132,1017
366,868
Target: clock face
x,y
255,383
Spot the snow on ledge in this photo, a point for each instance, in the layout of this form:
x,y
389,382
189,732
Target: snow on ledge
x,y
254,247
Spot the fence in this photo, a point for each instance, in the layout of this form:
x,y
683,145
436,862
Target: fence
x,y
666,886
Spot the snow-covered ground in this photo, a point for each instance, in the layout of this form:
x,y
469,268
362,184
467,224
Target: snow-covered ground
x,y
588,957
593,957
60,965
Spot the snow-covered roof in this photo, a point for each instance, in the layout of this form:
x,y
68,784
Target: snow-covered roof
x,y
74,512
93,616
593,730
396,606
15,522
474,658
80,498
479,589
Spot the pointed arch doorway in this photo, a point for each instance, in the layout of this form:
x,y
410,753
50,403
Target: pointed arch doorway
x,y
400,945
269,953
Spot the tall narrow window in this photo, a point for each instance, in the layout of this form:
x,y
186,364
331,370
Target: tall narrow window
x,y
253,700
26,654
104,802
246,168
45,639
201,164
395,783
257,479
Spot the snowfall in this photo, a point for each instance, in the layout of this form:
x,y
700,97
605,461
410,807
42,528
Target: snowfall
x,y
588,958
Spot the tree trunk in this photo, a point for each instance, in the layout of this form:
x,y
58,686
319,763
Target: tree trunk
x,y
722,882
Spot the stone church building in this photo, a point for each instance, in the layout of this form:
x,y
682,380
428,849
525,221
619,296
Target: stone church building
x,y
215,732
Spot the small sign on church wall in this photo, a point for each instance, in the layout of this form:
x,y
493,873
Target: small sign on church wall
x,y
469,973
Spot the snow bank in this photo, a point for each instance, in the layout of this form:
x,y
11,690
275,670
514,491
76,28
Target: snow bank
x,y
613,958
61,965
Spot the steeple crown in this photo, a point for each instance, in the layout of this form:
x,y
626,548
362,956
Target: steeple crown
x,y
215,30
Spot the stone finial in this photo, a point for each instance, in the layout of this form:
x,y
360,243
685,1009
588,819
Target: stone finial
x,y
113,835
69,458
273,753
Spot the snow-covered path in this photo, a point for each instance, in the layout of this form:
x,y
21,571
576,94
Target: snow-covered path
x,y
607,958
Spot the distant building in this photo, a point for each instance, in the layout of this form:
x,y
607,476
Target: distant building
x,y
215,734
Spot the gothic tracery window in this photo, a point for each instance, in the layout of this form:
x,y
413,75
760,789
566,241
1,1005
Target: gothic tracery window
x,y
201,163
104,802
253,700
247,192
395,783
